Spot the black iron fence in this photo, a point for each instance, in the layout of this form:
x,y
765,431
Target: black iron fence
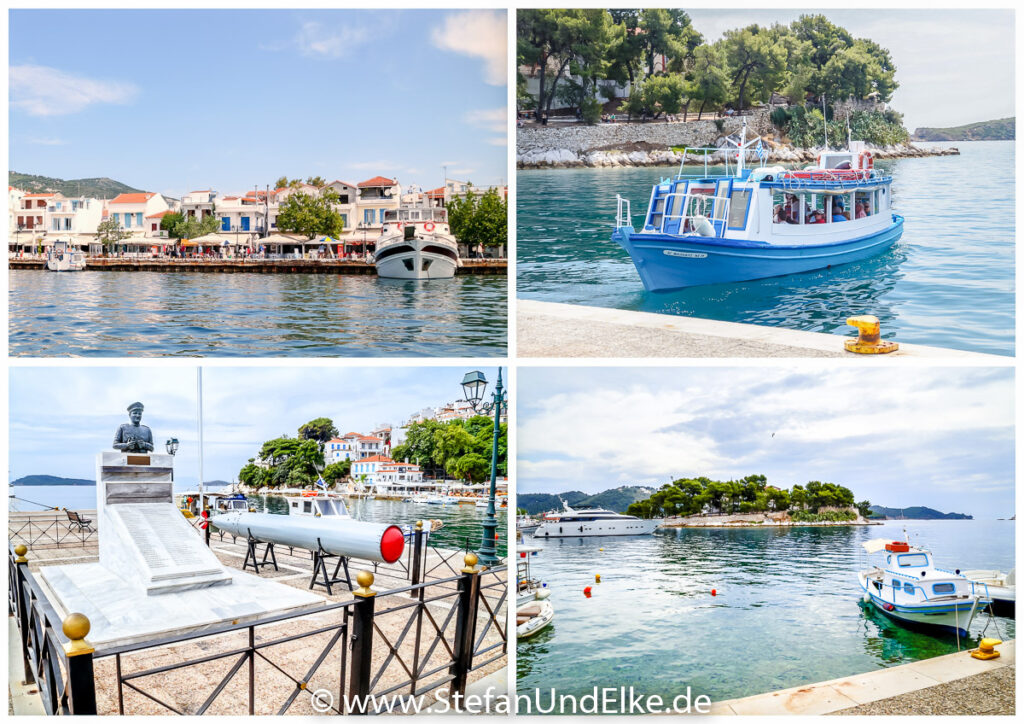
x,y
50,530
430,634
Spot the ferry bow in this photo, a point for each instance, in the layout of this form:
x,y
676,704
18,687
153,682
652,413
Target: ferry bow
x,y
759,222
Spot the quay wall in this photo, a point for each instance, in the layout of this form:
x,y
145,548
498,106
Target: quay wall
x,y
650,144
480,267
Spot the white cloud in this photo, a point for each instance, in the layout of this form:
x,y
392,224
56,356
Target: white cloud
x,y
43,91
478,34
498,141
462,171
492,119
47,141
319,41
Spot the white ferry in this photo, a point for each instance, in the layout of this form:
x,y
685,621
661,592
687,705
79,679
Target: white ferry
x,y
416,243
63,257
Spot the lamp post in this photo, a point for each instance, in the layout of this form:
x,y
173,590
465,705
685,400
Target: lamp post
x,y
474,384
172,446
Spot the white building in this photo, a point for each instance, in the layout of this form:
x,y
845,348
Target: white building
x,y
73,216
377,196
198,204
386,476
14,197
130,210
31,214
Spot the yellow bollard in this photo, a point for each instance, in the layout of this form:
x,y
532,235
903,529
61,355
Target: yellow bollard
x,y
869,340
597,578
986,649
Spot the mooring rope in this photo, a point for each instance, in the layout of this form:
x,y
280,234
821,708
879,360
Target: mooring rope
x,y
24,500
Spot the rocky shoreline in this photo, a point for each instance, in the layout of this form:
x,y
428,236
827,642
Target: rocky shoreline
x,y
637,155
753,520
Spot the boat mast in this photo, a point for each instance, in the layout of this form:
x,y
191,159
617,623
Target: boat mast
x,y
742,151
824,119
199,418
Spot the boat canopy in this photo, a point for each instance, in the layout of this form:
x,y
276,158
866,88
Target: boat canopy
x,y
876,544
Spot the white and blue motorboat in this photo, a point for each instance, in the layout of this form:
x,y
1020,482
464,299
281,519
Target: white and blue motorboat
x,y
909,588
753,223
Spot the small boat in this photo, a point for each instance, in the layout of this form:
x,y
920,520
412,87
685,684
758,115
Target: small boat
x,y
416,243
1002,589
533,609
320,504
63,257
572,523
708,228
910,589
526,524
217,502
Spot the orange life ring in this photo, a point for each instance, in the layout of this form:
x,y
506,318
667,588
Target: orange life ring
x,y
429,226
308,493
866,160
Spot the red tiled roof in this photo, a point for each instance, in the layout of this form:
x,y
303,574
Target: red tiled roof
x,y
377,181
376,459
161,215
132,198
39,196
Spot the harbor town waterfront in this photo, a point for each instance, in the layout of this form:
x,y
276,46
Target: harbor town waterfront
x,y
408,219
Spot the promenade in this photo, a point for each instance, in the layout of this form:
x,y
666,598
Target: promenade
x,y
480,267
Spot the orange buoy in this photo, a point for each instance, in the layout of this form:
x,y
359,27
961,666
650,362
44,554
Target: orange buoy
x,y
714,592
597,578
586,591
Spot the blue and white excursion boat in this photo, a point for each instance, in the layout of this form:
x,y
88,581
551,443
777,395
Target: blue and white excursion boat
x,y
762,222
909,588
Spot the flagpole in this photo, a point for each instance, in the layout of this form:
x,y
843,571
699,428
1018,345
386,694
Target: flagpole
x,y
199,417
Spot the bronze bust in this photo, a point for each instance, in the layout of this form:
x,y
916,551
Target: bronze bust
x,y
134,436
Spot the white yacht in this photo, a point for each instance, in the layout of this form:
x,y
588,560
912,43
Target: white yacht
x,y
591,522
416,243
63,257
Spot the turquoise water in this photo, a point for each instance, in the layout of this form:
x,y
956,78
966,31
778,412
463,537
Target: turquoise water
x,y
787,610
462,523
130,314
948,282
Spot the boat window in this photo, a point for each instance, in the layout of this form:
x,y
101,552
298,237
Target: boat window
x,y
897,585
295,504
909,589
307,506
739,204
943,588
788,208
657,208
912,559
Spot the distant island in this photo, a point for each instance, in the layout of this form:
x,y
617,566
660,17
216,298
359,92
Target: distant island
x,y
916,512
998,130
51,480
615,499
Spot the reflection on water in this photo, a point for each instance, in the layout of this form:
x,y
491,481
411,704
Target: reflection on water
x,y
787,608
152,313
949,281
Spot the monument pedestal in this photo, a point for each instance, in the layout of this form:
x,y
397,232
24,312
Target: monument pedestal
x,y
155,576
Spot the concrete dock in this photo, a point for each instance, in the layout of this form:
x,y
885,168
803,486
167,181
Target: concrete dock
x,y
548,329
485,267
908,689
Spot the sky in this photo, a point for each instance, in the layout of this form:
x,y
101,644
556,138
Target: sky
x,y
57,429
180,100
953,66
940,437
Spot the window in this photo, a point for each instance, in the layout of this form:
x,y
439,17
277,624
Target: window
x,y
344,221
138,219
943,588
908,560
225,223
909,589
368,216
307,506
245,223
738,205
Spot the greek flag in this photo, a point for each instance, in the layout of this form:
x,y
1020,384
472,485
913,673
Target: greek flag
x,y
320,482
761,152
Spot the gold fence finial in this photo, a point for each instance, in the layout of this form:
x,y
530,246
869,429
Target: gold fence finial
x,y
20,550
365,580
470,560
76,627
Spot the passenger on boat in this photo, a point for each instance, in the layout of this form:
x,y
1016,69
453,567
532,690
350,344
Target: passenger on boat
x,y
838,214
816,217
862,209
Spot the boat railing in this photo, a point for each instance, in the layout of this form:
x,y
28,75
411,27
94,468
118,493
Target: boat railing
x,y
919,588
623,212
698,203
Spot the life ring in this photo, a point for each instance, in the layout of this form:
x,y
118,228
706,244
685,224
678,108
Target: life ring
x,y
429,226
309,493
866,160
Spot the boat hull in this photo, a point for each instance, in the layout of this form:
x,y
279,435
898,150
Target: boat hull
x,y
418,258
538,622
557,529
954,617
666,262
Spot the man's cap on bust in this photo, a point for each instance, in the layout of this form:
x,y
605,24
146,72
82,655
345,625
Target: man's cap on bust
x,y
135,406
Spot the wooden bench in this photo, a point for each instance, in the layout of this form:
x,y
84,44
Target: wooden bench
x,y
80,523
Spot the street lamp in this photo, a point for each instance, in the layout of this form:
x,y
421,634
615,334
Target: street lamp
x,y
474,384
172,446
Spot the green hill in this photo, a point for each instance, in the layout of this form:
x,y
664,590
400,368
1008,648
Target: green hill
x,y
617,499
96,188
50,480
998,130
917,512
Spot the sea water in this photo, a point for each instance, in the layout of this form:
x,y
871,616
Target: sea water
x,y
128,314
948,282
786,610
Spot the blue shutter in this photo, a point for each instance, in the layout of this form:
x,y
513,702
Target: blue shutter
x,y
225,223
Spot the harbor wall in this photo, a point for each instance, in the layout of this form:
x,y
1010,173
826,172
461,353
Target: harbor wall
x,y
649,144
482,267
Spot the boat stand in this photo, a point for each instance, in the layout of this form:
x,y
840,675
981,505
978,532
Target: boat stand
x,y
320,557
252,551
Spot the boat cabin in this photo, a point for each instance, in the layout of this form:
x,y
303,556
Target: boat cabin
x,y
317,506
216,502
909,575
416,215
